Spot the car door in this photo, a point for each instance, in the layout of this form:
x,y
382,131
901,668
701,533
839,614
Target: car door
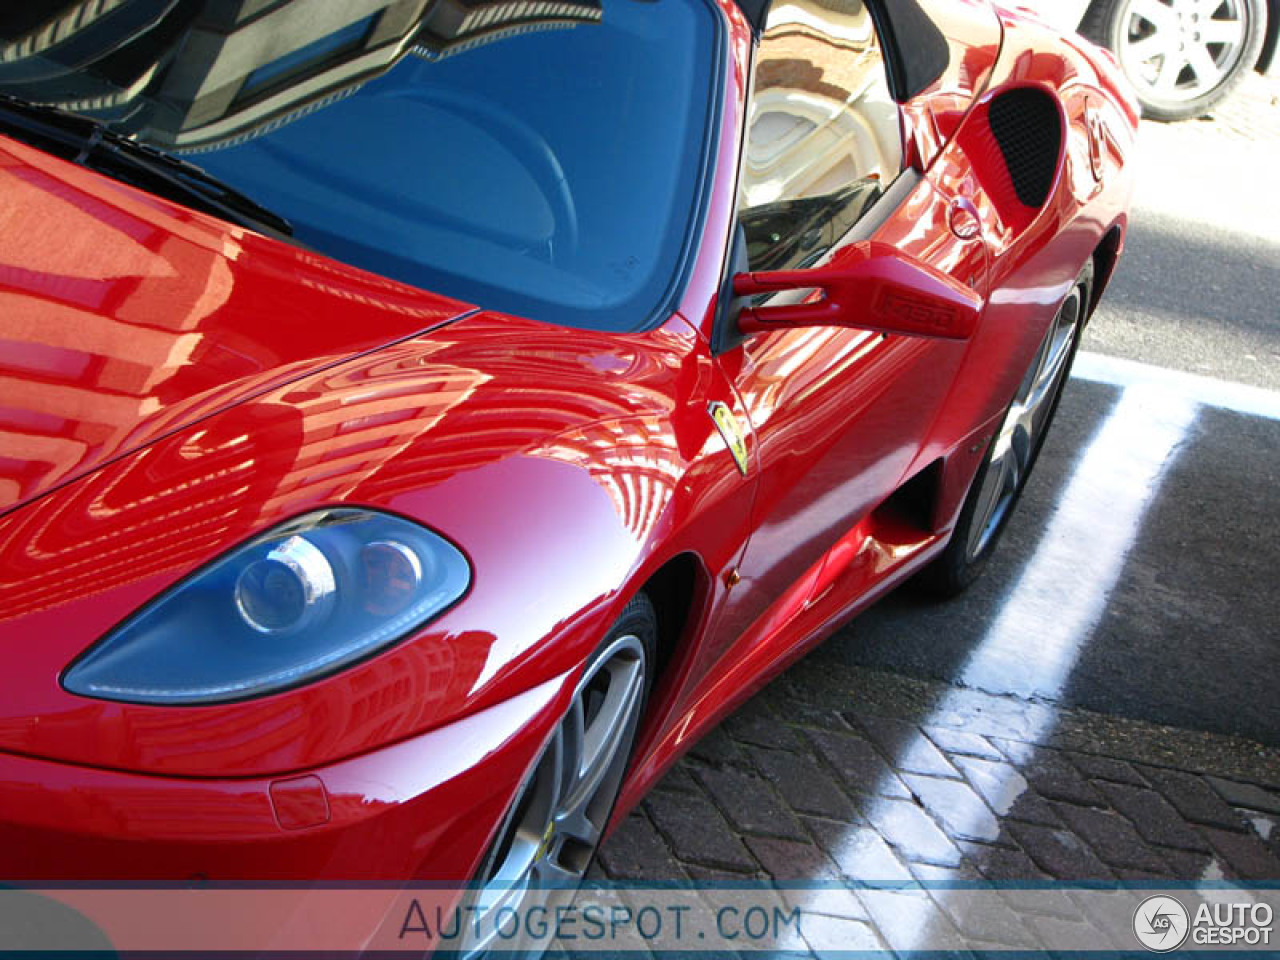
x,y
841,415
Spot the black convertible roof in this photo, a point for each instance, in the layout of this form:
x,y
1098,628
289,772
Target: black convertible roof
x,y
916,51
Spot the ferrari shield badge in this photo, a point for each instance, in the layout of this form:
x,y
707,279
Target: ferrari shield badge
x,y
727,424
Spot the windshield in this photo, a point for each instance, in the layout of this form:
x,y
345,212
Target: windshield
x,y
539,157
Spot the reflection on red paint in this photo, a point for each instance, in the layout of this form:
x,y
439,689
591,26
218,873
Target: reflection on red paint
x,y
170,386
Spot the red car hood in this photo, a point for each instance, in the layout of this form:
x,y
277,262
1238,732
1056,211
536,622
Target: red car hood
x,y
124,318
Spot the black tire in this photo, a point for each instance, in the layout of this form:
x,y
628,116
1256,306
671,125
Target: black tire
x,y
1109,23
971,546
542,842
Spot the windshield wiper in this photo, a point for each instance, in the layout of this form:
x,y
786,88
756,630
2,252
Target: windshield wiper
x,y
89,143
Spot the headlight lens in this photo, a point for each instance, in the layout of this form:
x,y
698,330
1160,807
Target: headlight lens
x,y
303,600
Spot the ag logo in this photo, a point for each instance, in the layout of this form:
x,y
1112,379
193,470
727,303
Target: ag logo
x,y
1160,923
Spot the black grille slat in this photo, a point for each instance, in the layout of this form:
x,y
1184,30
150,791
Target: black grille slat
x,y
1028,129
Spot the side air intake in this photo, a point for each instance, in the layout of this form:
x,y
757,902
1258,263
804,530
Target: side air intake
x,y
1028,129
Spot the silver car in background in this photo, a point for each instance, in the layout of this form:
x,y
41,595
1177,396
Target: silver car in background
x,y
1182,56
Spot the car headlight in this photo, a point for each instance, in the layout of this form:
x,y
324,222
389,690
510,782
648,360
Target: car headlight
x,y
303,600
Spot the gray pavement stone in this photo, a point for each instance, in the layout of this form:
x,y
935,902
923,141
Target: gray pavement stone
x,y
680,779
795,865
1106,768
860,767
1122,738
973,912
1054,777
955,805
935,875
1012,872
797,712
807,877
1153,815
1192,797
1247,795
635,851
826,934
749,803
905,745
1112,837
860,853
1188,865
1059,853
1266,826
718,749
1006,791
907,918
912,833
756,724
1247,856
1129,875
1074,936
1004,865
696,832
790,860
805,785
962,743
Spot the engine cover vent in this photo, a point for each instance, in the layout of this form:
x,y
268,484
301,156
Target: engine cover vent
x,y
1028,128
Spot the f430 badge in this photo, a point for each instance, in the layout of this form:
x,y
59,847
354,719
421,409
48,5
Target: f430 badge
x,y
731,432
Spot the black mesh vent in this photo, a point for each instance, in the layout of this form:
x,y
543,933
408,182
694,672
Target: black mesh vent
x,y
1028,129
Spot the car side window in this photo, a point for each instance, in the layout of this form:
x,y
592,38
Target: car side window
x,y
824,139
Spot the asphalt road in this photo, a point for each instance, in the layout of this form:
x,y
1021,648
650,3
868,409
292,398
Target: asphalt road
x,y
1199,286
1139,578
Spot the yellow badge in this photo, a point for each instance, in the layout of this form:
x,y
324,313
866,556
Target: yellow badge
x,y
545,845
727,424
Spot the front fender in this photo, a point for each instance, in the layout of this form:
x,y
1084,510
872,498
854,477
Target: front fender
x,y
563,463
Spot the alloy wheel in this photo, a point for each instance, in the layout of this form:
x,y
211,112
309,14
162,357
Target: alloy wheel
x,y
547,841
1024,425
1180,50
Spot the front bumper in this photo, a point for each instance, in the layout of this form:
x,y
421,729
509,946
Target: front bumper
x,y
420,810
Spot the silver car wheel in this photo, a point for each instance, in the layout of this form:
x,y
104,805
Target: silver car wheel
x,y
1025,422
546,844
1179,50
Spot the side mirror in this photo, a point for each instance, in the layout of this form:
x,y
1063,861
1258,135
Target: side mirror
x,y
870,286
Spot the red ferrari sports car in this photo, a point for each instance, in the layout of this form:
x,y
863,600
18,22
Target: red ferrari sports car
x,y
421,420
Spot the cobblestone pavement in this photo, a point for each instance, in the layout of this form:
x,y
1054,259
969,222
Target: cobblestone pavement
x,y
842,775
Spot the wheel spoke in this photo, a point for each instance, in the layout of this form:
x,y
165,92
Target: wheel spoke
x,y
1228,32
1155,14
987,509
1149,48
575,735
577,825
1202,64
610,726
1170,70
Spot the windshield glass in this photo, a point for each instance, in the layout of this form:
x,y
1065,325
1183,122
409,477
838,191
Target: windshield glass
x,y
540,157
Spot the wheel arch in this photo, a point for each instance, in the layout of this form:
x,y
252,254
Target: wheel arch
x,y
678,590
1106,256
